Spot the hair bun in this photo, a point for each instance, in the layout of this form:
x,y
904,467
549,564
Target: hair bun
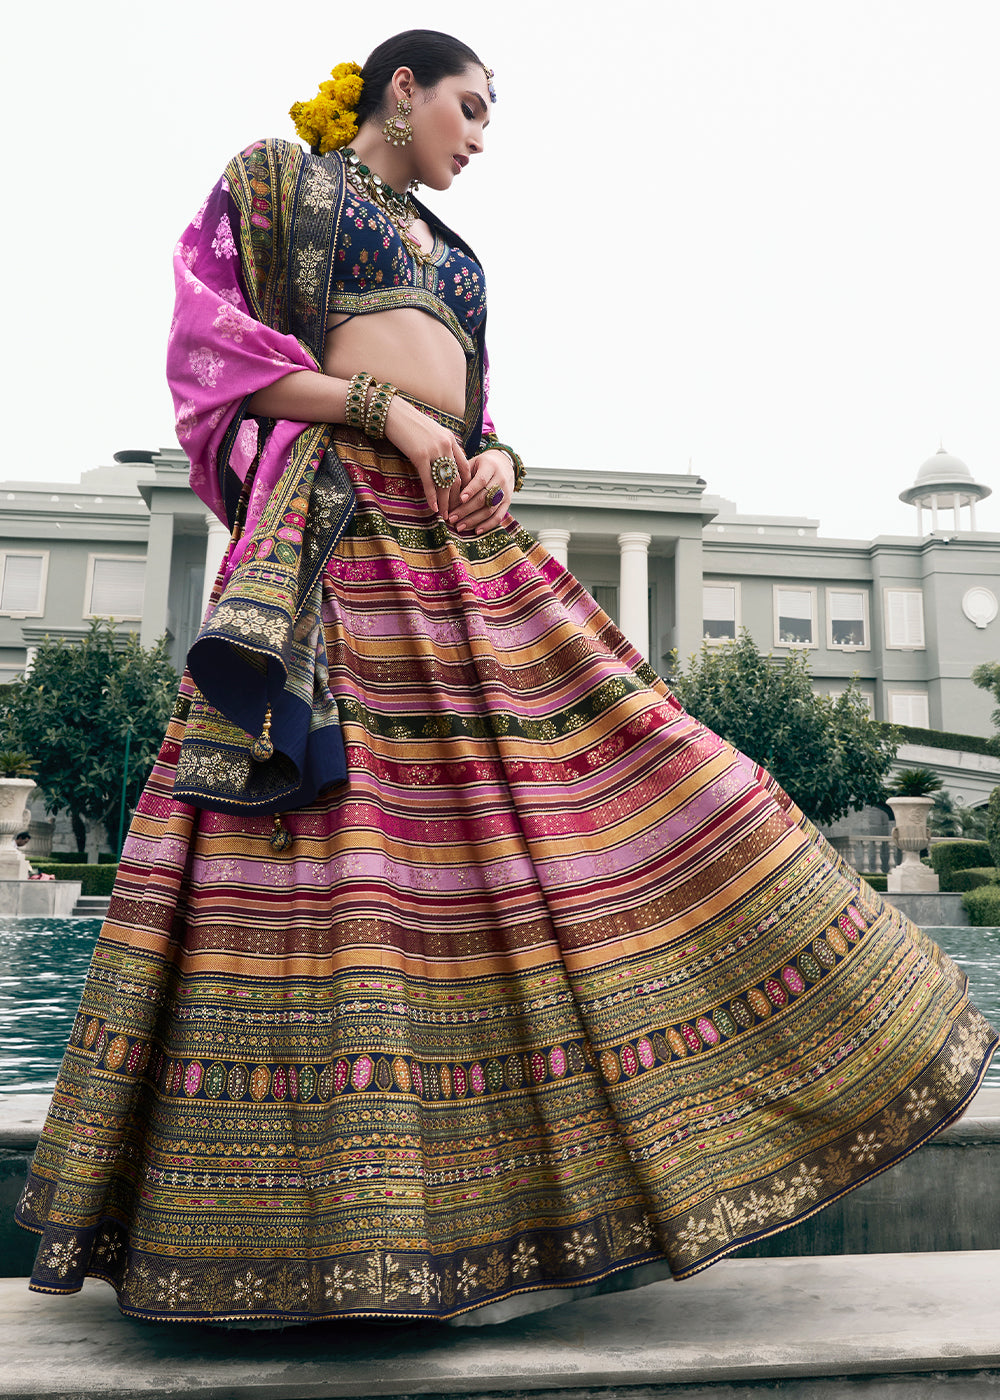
x,y
327,121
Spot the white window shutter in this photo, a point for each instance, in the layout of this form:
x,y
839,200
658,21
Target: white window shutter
x,y
21,591
117,587
719,603
911,710
847,607
793,602
905,612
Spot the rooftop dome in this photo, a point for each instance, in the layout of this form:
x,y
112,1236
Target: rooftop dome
x,y
943,466
944,482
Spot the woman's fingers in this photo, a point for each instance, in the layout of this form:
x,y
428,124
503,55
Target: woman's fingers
x,y
447,461
483,502
482,513
460,482
423,441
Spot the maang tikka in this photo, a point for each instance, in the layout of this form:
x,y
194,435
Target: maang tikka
x,y
397,130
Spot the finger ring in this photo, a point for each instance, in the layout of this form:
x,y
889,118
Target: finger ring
x,y
443,471
497,496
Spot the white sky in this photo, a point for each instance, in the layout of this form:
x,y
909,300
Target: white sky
x,y
760,235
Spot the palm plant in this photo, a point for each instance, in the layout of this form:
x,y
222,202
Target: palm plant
x,y
915,782
15,764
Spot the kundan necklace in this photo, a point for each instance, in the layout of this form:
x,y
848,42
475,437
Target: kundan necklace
x,y
400,208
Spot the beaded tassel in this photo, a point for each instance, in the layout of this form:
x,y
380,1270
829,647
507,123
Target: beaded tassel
x,y
262,749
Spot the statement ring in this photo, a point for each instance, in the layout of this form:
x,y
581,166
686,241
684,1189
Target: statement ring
x,y
443,472
496,498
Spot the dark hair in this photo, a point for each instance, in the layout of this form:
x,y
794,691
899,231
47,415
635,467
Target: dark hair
x,y
430,55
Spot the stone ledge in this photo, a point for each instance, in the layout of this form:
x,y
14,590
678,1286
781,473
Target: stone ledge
x,y
938,909
39,899
742,1320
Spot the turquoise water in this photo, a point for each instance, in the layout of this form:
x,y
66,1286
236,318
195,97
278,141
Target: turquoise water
x,y
43,964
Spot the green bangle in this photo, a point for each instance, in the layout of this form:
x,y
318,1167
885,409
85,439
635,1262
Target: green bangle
x,y
357,395
378,410
491,443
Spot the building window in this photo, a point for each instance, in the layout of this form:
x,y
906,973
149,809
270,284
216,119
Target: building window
x,y
605,595
847,619
114,588
794,617
904,618
866,696
720,612
22,584
909,707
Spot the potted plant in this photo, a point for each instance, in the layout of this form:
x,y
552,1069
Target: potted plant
x,y
17,783
911,800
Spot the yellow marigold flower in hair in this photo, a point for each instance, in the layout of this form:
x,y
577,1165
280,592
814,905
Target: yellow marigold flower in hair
x,y
307,122
327,120
341,131
347,91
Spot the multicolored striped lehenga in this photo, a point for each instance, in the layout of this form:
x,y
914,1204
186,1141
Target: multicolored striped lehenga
x,y
557,990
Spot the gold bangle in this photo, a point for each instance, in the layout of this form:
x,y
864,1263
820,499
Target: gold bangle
x,y
378,410
357,395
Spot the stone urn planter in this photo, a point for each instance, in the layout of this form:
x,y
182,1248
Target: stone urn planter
x,y
14,794
911,876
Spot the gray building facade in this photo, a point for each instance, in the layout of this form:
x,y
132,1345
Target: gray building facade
x,y
675,566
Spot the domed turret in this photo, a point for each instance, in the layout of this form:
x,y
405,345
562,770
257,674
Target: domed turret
x,y
944,483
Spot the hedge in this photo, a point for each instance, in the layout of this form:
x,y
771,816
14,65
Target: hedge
x,y
938,739
949,856
878,882
983,906
973,878
94,879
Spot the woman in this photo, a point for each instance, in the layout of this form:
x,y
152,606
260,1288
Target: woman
x,y
452,968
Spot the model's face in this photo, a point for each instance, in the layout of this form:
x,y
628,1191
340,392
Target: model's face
x,y
449,124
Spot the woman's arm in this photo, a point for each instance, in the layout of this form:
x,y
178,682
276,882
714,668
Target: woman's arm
x,y
307,396
304,396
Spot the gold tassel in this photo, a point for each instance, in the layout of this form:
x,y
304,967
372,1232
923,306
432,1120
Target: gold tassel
x,y
280,838
262,749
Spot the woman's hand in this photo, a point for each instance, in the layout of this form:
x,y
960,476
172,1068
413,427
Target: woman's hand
x,y
483,502
420,439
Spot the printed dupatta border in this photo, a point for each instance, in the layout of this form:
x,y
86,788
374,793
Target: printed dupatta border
x,y
262,646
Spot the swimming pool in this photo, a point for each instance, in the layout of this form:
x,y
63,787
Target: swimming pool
x,y
43,963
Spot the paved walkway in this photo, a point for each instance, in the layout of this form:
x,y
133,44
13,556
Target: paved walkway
x,y
905,1324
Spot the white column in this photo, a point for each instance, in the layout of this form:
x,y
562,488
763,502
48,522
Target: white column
x,y
633,589
934,510
920,520
972,512
557,544
688,616
215,547
956,505
156,599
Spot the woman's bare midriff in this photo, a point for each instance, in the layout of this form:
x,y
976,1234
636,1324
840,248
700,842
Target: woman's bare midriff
x,y
406,347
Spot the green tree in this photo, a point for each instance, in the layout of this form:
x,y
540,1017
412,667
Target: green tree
x,y
987,677
824,750
993,826
72,712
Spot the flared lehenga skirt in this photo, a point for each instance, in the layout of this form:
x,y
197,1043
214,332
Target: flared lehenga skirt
x,y
558,984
